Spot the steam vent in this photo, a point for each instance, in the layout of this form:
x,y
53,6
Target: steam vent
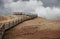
x,y
28,26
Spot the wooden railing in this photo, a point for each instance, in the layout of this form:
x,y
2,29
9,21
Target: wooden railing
x,y
9,24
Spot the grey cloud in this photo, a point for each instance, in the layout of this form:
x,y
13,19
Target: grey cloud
x,y
20,0
15,0
3,10
51,3
25,0
1,6
46,3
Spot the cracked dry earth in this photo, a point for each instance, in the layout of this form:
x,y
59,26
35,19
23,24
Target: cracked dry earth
x,y
38,28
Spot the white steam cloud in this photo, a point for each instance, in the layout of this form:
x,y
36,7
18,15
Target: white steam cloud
x,y
34,6
49,13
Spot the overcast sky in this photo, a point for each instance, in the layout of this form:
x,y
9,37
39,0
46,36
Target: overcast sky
x,y
49,9
46,3
51,3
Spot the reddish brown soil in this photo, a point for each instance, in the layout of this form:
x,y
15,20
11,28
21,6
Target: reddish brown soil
x,y
37,28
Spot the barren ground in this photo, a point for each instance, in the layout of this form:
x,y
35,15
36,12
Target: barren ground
x,y
2,18
38,28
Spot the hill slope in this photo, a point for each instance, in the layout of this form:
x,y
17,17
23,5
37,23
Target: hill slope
x,y
38,28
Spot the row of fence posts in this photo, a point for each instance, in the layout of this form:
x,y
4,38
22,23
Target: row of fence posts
x,y
8,25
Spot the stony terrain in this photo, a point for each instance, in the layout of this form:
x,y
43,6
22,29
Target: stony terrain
x,y
38,28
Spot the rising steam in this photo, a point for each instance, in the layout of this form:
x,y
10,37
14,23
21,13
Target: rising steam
x,y
33,6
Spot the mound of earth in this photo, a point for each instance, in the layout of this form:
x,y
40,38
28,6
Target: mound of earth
x,y
38,28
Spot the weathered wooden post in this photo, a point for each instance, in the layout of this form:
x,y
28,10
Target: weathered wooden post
x,y
7,25
11,24
1,30
15,22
